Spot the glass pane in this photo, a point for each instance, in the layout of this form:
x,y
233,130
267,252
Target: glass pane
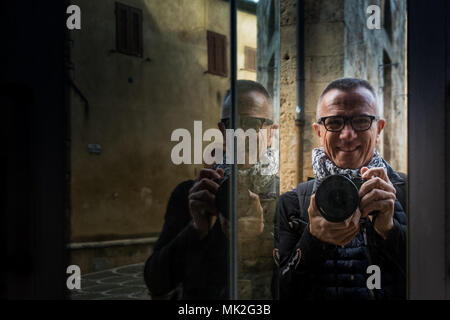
x,y
367,46
258,63
149,154
139,130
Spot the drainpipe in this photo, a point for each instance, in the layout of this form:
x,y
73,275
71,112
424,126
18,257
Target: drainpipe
x,y
300,80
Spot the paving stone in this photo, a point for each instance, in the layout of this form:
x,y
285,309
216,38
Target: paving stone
x,y
115,279
76,293
139,275
116,298
134,282
98,275
89,296
121,283
130,269
85,283
125,290
101,288
143,296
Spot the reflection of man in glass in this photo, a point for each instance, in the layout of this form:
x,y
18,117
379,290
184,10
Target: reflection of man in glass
x,y
319,259
189,260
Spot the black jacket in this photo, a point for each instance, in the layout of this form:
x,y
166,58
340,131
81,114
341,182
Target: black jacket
x,y
197,269
310,269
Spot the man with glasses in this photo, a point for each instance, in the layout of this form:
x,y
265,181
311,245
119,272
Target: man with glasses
x,y
189,260
319,259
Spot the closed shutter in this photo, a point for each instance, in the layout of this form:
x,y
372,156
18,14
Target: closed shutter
x,y
221,55
121,28
136,32
250,59
211,52
129,30
217,58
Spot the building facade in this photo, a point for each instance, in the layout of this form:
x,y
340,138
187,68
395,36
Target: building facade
x,y
139,70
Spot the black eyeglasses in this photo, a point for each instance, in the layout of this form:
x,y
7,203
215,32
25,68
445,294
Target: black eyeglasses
x,y
246,123
359,123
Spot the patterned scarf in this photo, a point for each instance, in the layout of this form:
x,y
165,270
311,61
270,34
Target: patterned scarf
x,y
324,167
260,177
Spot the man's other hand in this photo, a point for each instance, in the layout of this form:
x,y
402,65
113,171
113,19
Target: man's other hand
x,y
337,233
202,200
378,194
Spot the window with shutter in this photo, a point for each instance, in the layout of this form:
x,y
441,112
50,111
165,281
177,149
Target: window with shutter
x,y
128,30
250,59
217,57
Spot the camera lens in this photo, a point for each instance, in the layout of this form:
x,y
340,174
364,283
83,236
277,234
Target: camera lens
x,y
222,196
337,197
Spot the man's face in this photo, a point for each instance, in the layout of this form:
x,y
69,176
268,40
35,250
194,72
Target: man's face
x,y
252,104
348,148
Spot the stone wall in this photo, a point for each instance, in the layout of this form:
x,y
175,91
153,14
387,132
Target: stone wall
x,y
255,264
290,141
380,57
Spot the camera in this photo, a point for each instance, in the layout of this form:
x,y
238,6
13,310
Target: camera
x,y
337,197
266,189
222,195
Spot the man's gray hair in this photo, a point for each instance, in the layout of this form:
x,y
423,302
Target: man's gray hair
x,y
244,86
348,84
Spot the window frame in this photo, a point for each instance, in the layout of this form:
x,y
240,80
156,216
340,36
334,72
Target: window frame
x,y
217,53
133,45
249,55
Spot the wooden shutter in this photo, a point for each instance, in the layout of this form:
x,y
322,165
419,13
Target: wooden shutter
x,y
136,32
129,30
121,28
217,57
221,54
250,59
211,52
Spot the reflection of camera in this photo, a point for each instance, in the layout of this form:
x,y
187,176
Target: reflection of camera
x,y
337,197
222,197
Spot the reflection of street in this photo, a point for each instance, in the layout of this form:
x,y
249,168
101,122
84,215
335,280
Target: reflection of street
x,y
121,283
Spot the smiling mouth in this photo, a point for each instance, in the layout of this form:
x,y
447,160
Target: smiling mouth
x,y
348,150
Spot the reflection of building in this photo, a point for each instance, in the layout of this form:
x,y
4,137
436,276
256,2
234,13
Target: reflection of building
x,y
337,43
141,69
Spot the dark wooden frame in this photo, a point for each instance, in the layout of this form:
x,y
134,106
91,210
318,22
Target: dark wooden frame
x,y
250,59
217,53
428,150
34,100
126,41
38,86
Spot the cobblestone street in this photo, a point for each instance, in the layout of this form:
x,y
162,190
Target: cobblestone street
x,y
121,283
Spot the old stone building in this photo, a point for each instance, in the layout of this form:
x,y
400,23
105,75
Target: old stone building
x,y
139,70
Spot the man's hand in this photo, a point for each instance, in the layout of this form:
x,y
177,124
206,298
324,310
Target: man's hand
x,y
378,194
202,200
252,224
337,233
